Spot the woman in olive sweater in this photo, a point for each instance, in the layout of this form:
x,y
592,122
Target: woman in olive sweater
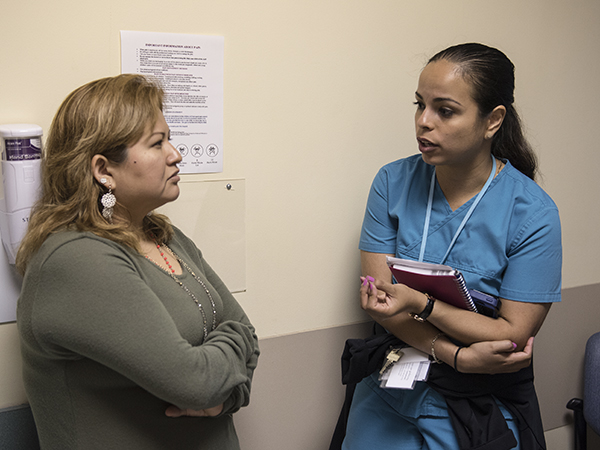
x,y
129,338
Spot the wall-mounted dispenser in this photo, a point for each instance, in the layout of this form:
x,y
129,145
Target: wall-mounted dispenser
x,y
21,179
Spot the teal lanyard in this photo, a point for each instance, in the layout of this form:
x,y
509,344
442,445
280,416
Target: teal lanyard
x,y
467,216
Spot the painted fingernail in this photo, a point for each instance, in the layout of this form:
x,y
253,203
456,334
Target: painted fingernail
x,y
364,281
514,345
370,278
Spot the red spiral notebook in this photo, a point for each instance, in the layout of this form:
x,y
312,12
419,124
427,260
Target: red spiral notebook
x,y
440,281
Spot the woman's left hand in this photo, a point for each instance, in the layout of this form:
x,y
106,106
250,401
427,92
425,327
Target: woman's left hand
x,y
493,357
382,300
174,411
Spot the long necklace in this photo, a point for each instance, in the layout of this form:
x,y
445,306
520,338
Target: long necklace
x,y
171,273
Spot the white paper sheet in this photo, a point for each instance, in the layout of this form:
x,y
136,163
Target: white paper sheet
x,y
190,68
412,367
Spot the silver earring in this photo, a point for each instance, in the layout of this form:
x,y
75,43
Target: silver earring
x,y
108,201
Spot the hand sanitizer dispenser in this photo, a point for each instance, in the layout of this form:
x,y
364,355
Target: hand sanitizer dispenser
x,y
21,146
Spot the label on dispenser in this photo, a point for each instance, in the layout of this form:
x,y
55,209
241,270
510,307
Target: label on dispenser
x,y
23,149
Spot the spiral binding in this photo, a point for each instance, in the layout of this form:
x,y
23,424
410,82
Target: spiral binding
x,y
464,291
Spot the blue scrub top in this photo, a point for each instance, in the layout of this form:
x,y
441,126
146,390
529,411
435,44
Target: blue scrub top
x,y
510,247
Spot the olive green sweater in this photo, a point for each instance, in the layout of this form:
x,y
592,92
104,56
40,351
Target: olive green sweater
x,y
109,341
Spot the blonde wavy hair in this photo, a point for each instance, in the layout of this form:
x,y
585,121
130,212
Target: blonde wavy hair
x,y
104,117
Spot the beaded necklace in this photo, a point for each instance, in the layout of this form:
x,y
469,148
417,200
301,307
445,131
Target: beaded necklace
x,y
171,273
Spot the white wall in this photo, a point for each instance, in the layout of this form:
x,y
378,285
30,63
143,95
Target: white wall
x,y
318,96
10,282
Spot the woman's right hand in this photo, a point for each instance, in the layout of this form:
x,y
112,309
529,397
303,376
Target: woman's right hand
x,y
494,357
174,411
383,301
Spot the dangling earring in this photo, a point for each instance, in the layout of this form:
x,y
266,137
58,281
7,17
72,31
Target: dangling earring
x,y
108,201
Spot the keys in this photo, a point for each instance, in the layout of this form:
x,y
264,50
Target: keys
x,y
393,355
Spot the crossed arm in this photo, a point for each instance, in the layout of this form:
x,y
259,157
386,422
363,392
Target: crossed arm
x,y
493,345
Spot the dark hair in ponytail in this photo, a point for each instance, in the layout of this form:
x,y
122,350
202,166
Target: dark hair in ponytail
x,y
492,76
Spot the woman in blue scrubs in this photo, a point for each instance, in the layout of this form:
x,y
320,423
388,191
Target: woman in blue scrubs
x,y
468,200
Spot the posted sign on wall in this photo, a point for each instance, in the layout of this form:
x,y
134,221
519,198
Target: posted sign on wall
x,y
190,69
